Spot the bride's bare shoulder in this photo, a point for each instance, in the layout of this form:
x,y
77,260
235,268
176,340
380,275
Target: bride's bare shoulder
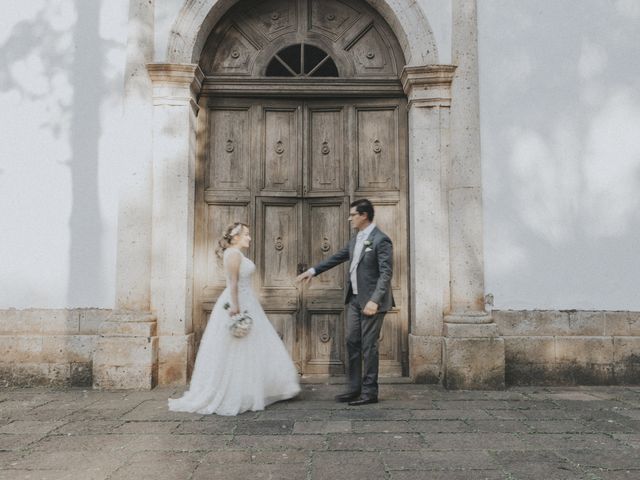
x,y
232,256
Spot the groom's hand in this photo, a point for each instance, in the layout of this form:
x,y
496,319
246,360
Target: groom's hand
x,y
304,277
370,309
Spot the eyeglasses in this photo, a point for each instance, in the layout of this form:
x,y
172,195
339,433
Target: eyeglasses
x,y
354,214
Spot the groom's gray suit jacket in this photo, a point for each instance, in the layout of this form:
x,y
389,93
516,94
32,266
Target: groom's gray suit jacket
x,y
374,269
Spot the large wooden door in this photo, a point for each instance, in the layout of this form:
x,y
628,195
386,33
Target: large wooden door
x,y
290,168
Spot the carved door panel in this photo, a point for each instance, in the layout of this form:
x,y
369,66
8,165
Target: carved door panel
x,y
279,126
323,329
277,237
326,149
289,235
325,227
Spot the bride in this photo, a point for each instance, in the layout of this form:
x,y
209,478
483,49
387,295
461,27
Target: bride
x,y
233,375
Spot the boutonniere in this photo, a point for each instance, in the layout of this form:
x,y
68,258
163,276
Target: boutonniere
x,y
368,249
367,243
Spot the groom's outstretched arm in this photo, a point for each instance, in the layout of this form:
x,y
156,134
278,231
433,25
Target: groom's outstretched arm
x,y
337,258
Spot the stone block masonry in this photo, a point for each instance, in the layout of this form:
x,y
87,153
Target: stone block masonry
x,y
570,347
46,347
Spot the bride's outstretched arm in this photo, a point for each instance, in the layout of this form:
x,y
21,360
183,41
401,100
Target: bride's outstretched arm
x,y
232,266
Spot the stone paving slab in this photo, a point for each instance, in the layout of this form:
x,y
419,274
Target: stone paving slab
x,y
415,432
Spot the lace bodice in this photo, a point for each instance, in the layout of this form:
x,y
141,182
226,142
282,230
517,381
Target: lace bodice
x,y
247,267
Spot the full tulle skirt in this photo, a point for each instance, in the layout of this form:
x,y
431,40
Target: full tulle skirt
x,y
233,375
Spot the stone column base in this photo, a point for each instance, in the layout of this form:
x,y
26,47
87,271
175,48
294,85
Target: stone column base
x,y
177,355
473,357
126,355
425,358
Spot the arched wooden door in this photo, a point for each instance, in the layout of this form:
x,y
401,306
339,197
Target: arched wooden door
x,y
286,146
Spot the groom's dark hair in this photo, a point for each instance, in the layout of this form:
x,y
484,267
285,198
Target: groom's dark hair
x,y
364,206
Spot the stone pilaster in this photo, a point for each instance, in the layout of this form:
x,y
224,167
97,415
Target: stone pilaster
x,y
428,92
127,349
175,92
473,352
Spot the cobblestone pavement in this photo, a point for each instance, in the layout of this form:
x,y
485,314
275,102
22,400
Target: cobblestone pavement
x,y
415,432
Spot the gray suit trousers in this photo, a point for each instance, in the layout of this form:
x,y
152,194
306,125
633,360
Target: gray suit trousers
x,y
362,349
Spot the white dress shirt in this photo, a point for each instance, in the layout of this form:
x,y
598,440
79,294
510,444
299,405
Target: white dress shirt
x,y
357,251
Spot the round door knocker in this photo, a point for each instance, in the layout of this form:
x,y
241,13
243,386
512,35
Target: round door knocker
x,y
230,147
371,55
235,54
377,146
275,16
325,337
325,246
279,148
278,244
331,17
325,150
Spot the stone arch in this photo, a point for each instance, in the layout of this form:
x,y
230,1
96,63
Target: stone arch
x,y
197,18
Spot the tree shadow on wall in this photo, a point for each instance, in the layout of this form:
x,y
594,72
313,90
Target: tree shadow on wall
x,y
71,59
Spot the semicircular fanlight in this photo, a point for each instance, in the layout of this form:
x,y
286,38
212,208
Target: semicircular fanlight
x,y
301,60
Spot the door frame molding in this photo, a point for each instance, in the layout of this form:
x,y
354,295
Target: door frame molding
x,y
307,88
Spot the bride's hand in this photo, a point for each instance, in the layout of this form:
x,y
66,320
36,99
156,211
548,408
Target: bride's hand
x,y
233,311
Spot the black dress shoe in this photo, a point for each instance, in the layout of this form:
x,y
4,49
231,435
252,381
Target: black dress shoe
x,y
363,401
347,397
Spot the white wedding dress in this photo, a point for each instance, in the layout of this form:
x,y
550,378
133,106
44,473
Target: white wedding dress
x,y
233,375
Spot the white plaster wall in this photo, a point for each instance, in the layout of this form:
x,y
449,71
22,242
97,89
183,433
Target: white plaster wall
x,y
61,85
560,113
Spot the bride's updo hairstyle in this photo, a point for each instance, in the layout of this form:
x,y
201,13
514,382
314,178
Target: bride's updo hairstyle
x,y
231,231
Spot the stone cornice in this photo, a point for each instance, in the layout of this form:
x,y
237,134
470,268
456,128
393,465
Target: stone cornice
x,y
428,85
176,74
427,75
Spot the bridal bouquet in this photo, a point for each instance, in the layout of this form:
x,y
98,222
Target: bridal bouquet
x,y
240,323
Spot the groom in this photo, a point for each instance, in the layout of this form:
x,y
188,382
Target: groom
x,y
368,298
